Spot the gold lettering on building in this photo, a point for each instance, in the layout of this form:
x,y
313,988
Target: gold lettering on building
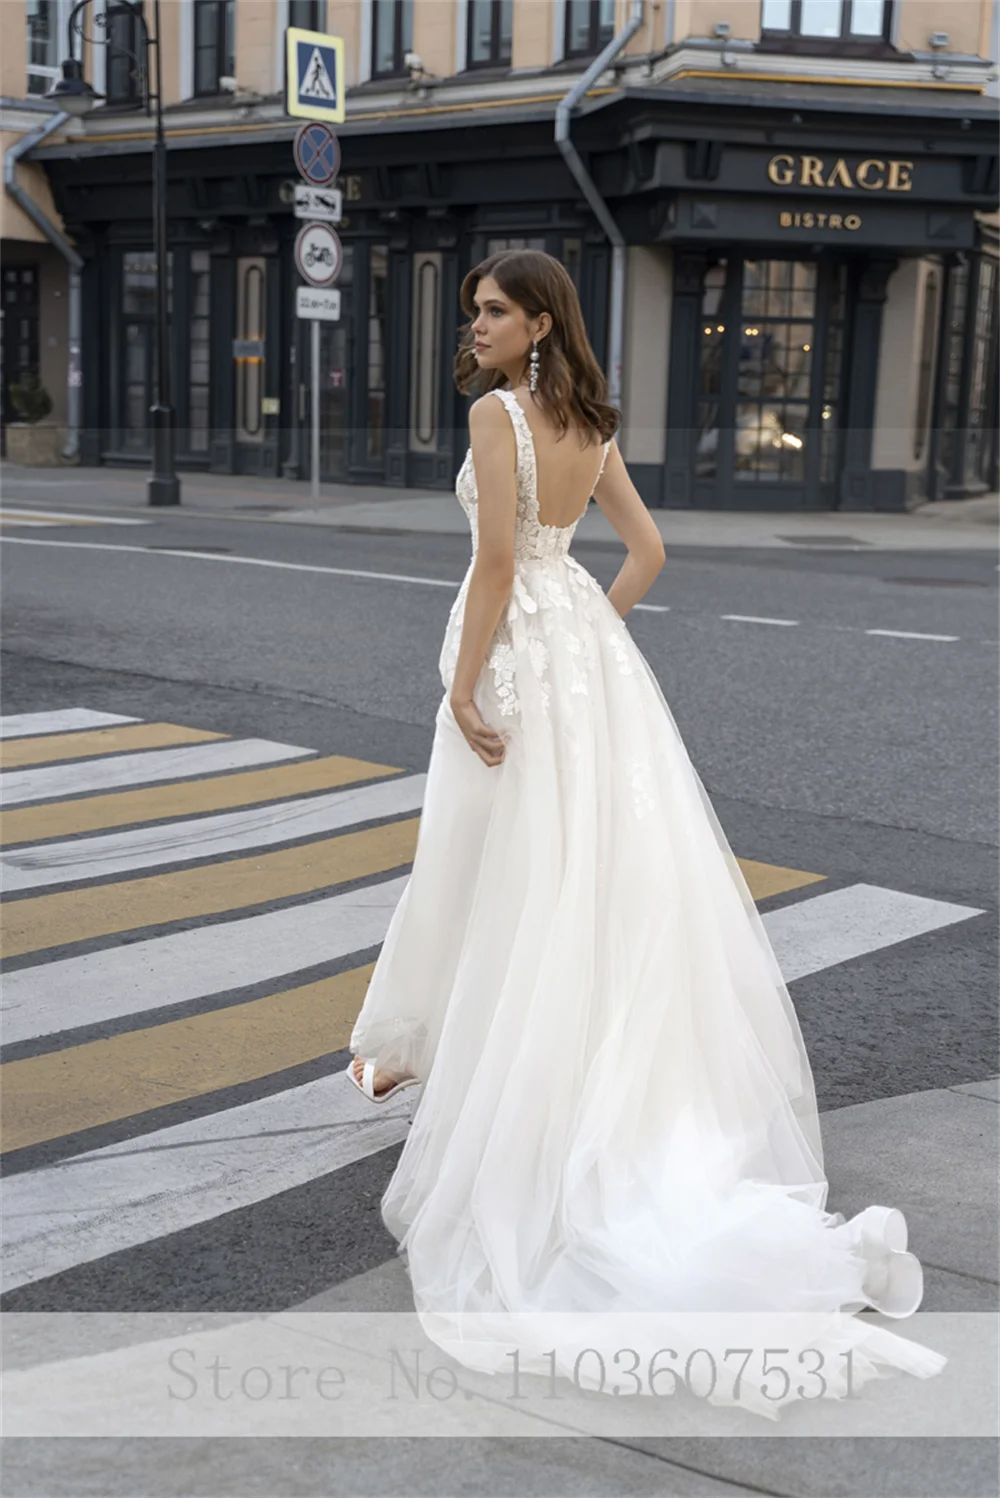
x,y
873,175
861,175
805,219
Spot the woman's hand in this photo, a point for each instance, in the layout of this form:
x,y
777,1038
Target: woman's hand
x,y
478,735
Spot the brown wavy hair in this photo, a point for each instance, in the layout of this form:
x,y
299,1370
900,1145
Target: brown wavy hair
x,y
572,388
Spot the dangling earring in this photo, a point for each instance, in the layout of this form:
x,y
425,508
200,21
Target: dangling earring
x,y
533,369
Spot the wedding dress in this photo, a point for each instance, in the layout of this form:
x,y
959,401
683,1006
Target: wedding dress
x,y
618,1113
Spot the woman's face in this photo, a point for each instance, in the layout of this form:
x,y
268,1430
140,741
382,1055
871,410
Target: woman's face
x,y
501,329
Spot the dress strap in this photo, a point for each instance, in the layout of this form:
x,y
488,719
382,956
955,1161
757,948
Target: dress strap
x,y
604,459
522,437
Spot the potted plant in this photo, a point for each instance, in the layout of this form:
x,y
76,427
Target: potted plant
x,y
32,440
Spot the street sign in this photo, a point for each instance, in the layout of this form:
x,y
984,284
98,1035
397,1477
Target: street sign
x,y
317,154
325,203
314,75
318,254
321,306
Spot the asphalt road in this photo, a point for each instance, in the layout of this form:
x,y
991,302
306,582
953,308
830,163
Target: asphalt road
x,y
866,758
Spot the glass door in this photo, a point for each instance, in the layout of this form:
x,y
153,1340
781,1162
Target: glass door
x,y
770,359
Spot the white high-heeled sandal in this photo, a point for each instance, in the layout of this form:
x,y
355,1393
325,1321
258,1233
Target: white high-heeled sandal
x,y
367,1083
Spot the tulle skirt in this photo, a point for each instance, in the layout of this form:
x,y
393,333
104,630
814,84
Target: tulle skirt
x,y
618,1113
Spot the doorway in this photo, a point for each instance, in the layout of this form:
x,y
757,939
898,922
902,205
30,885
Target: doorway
x,y
770,355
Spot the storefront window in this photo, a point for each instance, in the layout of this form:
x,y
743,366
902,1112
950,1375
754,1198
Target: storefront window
x,y
378,299
954,346
138,322
777,319
198,360
711,347
984,354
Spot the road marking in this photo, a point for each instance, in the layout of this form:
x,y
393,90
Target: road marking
x,y
199,556
189,965
209,837
140,1189
48,748
140,769
755,619
19,725
181,798
63,1092
160,899
846,923
909,634
54,920
653,608
63,517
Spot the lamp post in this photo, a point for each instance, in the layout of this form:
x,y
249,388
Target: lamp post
x,y
73,94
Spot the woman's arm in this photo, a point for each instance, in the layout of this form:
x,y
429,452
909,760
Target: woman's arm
x,y
494,456
620,500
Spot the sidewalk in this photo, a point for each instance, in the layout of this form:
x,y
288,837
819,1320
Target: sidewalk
x,y
967,524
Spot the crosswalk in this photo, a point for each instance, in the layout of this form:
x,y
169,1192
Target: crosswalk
x,y
189,915
14,515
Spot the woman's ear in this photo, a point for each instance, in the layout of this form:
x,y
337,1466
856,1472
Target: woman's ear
x,y
544,326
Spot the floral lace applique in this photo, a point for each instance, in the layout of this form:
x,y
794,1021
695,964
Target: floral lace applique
x,y
502,661
640,773
617,644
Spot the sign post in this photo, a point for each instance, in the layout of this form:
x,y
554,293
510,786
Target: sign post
x,y
314,91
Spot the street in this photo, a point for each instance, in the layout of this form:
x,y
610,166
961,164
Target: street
x,y
216,723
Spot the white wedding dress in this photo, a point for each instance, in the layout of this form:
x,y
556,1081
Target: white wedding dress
x,y
618,1112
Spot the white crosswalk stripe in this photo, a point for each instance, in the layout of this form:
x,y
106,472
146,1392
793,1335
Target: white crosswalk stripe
x,y
30,725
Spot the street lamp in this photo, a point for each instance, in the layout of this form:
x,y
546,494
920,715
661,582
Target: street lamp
x,y
73,94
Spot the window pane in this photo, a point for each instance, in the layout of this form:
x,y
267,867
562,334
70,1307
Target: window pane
x,y
776,15
578,26
43,40
506,29
605,20
229,38
305,13
867,17
377,344
199,358
821,17
385,36
480,30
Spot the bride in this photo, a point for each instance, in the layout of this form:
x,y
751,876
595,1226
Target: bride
x,y
618,1114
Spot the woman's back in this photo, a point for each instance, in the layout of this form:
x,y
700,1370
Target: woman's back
x,y
567,467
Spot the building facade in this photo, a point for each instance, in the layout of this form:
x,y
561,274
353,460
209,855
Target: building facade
x,y
806,192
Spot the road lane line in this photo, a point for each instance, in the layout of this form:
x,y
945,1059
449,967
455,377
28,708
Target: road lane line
x,y
142,769
200,838
179,798
64,517
19,725
144,976
842,924
200,556
757,619
88,745
909,634
160,899
51,1096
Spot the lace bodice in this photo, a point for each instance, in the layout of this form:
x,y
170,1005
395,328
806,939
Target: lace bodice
x,y
533,541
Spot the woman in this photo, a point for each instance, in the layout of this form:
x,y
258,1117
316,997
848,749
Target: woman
x,y
618,1111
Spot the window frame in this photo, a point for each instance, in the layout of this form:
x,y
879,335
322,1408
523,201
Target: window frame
x,y
495,59
399,46
134,47
594,38
847,44
42,71
317,9
224,9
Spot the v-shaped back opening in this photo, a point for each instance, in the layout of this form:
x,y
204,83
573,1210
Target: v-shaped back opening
x,y
520,419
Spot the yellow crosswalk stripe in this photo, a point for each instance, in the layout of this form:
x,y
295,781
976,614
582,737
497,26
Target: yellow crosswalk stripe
x,y
159,899
47,1097
766,879
177,799
50,747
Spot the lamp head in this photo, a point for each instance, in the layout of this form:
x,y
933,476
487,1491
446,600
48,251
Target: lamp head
x,y
73,93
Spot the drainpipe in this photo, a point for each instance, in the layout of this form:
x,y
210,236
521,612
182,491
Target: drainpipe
x,y
588,187
71,451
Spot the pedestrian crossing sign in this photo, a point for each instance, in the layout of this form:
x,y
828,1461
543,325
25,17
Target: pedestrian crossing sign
x,y
314,75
